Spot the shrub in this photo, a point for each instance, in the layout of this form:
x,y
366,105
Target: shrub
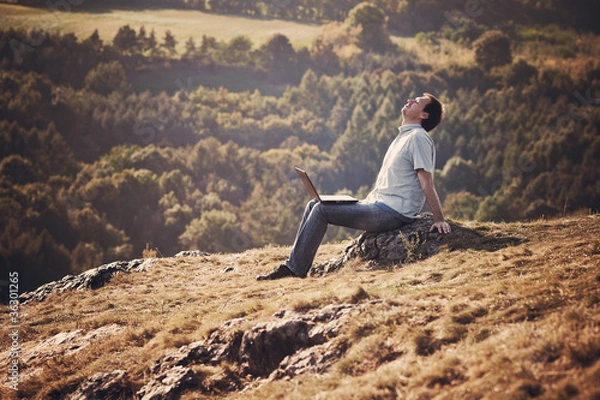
x,y
107,78
492,49
371,19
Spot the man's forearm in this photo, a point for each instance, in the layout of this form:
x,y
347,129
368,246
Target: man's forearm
x,y
426,180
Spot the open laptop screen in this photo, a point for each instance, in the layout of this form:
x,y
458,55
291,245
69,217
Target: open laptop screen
x,y
312,191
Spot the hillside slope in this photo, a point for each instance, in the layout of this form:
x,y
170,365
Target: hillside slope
x,y
510,312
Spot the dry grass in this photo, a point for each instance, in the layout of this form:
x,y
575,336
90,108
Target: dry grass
x,y
487,318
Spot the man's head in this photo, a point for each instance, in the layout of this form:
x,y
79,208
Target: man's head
x,y
425,110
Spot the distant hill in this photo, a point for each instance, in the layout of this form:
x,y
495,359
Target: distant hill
x,y
183,24
409,17
513,312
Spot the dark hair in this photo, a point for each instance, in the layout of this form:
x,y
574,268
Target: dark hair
x,y
435,109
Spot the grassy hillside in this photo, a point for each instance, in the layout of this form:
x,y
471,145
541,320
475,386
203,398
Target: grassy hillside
x,y
183,24
511,312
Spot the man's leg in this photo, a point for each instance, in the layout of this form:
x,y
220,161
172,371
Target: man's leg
x,y
316,218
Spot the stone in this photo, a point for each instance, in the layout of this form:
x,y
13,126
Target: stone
x,y
192,253
100,386
409,243
91,279
168,384
67,343
287,344
312,360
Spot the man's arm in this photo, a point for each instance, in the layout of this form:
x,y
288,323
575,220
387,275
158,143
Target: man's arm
x,y
426,180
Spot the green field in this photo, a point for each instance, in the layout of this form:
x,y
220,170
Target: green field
x,y
182,23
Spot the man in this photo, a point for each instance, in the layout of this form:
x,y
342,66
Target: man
x,y
403,184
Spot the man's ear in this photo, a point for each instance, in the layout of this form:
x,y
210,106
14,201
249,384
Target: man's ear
x,y
424,115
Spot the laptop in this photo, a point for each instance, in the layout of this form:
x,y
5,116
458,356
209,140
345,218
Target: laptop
x,y
327,199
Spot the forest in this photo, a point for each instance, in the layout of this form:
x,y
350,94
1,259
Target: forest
x,y
96,165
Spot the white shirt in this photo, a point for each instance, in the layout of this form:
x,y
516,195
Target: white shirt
x,y
398,184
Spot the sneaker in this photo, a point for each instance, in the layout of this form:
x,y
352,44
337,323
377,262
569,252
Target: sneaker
x,y
280,272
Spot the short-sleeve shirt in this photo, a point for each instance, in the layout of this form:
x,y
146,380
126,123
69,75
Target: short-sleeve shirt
x,y
398,185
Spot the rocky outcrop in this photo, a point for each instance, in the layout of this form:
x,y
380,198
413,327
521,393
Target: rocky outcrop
x,y
66,343
109,385
409,243
97,277
192,253
91,279
290,343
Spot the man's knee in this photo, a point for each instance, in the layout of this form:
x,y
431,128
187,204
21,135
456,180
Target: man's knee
x,y
318,208
310,205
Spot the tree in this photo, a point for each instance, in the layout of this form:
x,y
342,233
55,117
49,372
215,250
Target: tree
x,y
459,175
94,41
169,43
190,48
278,58
492,49
325,60
107,78
372,23
211,232
355,151
462,205
237,51
126,40
151,43
519,73
18,170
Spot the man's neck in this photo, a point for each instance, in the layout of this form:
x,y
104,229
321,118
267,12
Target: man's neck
x,y
409,122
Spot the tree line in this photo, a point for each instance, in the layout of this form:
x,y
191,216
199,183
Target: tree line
x,y
404,16
92,170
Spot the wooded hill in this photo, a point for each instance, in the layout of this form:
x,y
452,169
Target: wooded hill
x,y
96,167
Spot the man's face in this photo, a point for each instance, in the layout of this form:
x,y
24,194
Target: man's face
x,y
413,109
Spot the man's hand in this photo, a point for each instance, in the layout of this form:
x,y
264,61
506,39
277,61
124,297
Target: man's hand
x,y
442,227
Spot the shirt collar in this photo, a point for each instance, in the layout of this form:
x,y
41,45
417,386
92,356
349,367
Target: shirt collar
x,y
405,128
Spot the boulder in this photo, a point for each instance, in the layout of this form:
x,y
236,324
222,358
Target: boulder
x,y
407,244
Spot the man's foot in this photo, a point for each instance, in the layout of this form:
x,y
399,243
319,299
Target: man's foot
x,y
280,272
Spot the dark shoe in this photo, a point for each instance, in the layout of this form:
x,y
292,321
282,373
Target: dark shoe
x,y
280,272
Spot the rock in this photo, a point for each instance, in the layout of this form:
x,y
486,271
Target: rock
x,y
313,360
192,253
100,386
168,385
409,243
265,345
289,343
66,343
91,279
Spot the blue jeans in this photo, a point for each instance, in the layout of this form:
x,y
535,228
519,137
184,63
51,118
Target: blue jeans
x,y
317,216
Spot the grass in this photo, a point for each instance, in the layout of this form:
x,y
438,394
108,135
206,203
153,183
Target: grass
x,y
516,320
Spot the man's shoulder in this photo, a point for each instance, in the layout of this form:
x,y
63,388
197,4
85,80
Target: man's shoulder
x,y
421,134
